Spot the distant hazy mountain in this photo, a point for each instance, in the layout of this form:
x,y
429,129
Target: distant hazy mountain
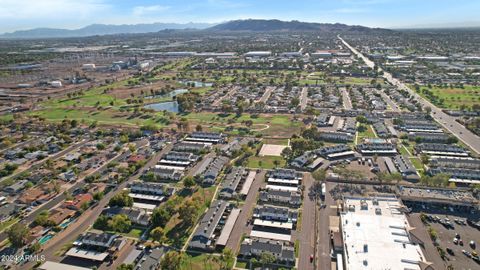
x,y
101,29
277,25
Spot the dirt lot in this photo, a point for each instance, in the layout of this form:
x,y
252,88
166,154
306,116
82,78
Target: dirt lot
x,y
271,150
445,238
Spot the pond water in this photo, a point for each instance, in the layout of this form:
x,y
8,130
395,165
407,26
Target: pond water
x,y
197,83
169,94
171,106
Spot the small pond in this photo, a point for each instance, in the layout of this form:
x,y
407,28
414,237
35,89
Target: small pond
x,y
171,106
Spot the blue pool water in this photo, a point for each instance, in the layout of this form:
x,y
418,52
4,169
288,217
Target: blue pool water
x,y
45,239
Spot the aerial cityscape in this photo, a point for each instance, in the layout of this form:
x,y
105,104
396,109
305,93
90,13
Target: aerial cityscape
x,y
217,134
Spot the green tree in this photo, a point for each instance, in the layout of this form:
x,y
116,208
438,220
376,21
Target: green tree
x,y
172,260
16,234
189,182
266,258
227,258
101,223
125,266
120,223
121,200
188,211
157,234
160,216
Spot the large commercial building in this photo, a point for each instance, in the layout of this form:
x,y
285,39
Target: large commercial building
x,y
376,235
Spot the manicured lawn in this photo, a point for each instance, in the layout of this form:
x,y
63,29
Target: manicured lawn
x,y
267,125
6,224
241,264
6,117
368,133
452,97
417,163
202,262
266,162
135,232
403,150
275,141
201,90
111,117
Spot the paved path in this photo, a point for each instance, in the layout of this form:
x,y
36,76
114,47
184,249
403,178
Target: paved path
x,y
347,102
230,93
266,95
389,101
303,98
447,121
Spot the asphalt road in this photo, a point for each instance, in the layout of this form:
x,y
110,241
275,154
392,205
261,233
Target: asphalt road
x,y
323,223
241,226
306,236
347,102
389,101
303,98
267,94
447,121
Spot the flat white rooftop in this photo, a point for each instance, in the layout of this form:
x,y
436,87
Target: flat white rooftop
x,y
174,162
283,181
178,168
147,206
87,254
48,265
440,153
201,140
273,224
227,229
464,181
146,197
341,154
269,235
248,182
376,236
283,188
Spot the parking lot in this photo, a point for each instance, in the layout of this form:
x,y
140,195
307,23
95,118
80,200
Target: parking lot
x,y
448,225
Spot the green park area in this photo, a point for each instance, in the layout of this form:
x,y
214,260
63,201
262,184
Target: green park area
x,y
365,132
265,162
456,98
282,126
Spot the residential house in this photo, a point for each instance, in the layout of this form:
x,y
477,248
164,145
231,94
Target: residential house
x,y
213,170
290,198
284,252
80,201
231,184
135,215
207,231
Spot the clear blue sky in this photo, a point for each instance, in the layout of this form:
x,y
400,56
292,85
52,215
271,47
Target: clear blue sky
x,y
26,14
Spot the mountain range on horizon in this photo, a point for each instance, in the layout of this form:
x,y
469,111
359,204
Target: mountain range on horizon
x,y
253,25
101,29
